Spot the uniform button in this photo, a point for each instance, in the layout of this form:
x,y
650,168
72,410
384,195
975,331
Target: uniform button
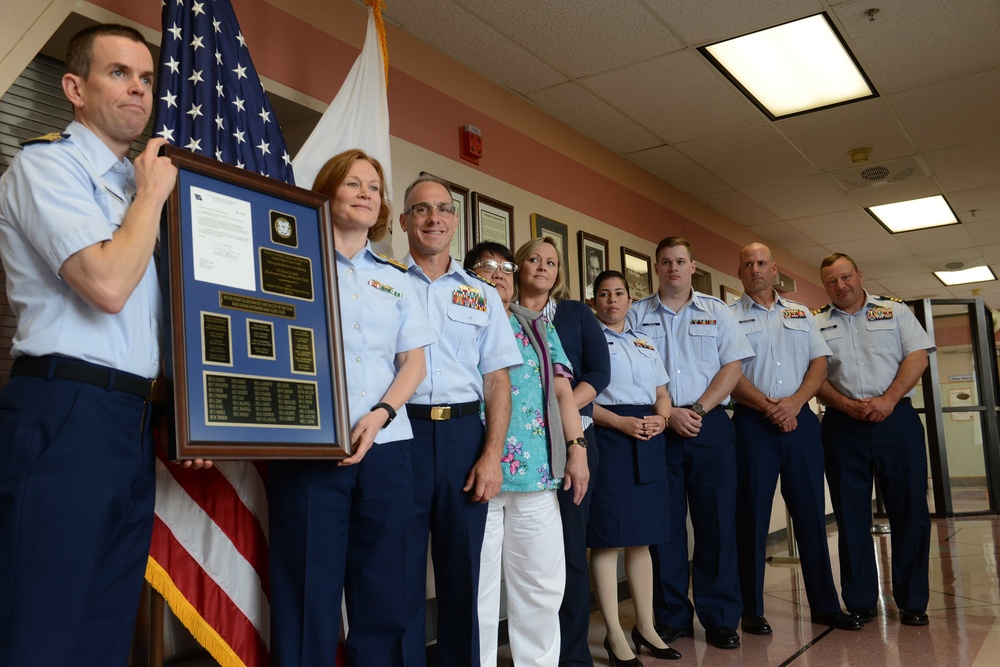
x,y
362,394
350,270
354,296
778,363
357,359
357,326
437,371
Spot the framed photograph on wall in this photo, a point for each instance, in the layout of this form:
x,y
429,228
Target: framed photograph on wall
x,y
593,259
542,226
462,240
729,295
492,220
638,270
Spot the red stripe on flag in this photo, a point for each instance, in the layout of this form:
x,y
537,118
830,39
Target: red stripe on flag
x,y
215,607
213,492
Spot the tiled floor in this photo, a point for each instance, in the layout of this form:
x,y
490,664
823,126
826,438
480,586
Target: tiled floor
x,y
964,613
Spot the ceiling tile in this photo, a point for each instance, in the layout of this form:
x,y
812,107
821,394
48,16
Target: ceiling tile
x,y
914,43
918,282
678,170
783,234
800,197
709,21
984,201
451,29
678,96
839,227
738,207
882,270
969,166
984,233
889,193
952,237
939,260
750,156
580,38
813,255
991,253
826,136
951,113
594,117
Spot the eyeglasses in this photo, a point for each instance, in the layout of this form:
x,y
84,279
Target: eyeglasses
x,y
423,209
492,265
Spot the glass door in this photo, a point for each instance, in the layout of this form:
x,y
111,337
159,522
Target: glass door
x,y
957,400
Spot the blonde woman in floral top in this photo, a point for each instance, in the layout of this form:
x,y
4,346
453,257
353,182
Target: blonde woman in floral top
x,y
545,449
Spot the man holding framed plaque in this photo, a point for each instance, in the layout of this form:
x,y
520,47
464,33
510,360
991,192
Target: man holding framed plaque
x,y
455,457
78,226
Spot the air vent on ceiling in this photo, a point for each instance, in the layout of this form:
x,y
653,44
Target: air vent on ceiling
x,y
875,174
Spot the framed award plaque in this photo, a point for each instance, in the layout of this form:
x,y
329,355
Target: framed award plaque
x,y
252,336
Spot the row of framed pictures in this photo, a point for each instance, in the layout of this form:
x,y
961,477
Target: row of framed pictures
x,y
483,218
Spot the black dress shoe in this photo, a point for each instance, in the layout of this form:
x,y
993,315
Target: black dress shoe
x,y
615,661
669,633
657,652
913,617
755,625
863,614
722,637
838,620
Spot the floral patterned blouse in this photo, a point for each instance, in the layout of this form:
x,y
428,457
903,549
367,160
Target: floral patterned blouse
x,y
525,461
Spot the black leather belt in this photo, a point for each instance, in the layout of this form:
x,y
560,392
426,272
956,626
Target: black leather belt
x,y
442,412
65,368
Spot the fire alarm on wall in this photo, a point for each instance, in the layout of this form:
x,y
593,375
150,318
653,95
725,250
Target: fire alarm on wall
x,y
470,144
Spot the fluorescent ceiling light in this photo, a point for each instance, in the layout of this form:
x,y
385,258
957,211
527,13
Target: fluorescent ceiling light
x,y
977,274
907,216
793,68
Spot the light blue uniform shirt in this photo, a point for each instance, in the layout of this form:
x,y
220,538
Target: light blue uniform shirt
x,y
473,335
380,317
636,369
784,339
869,345
694,343
55,200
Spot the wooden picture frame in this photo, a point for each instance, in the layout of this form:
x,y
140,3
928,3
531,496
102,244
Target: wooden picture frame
x,y
492,220
593,259
638,270
462,241
729,295
253,350
542,226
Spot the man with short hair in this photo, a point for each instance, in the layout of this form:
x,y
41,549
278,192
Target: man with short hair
x,y
870,427
456,459
702,348
777,432
78,225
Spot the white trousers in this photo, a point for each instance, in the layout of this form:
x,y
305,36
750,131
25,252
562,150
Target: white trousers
x,y
524,532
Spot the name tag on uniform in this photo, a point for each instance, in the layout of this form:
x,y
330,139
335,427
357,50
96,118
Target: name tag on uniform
x,y
650,324
832,326
470,297
752,319
708,322
793,314
382,287
879,313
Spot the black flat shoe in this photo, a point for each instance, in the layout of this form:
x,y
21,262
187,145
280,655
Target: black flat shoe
x,y
838,620
722,637
755,625
657,652
863,614
669,633
913,617
618,662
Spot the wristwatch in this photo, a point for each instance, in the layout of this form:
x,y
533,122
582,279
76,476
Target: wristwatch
x,y
388,409
577,441
698,409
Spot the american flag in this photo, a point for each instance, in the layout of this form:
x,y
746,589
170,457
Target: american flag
x,y
209,554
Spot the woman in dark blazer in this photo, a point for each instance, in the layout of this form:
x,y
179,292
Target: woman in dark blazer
x,y
541,286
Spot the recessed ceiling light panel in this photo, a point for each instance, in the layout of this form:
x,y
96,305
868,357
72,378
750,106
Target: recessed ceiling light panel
x,y
977,274
793,68
908,216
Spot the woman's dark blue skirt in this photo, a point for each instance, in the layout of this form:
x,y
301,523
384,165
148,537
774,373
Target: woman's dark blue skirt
x,y
629,507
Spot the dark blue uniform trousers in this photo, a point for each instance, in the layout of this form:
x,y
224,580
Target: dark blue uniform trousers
x,y
443,455
702,475
325,521
574,613
894,452
76,516
762,452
